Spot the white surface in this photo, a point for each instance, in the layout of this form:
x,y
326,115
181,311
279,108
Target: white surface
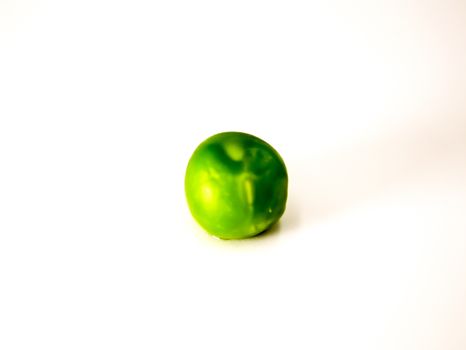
x,y
102,103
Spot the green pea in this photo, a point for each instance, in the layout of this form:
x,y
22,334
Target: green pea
x,y
236,185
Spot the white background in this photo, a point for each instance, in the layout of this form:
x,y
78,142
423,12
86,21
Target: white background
x,y
101,105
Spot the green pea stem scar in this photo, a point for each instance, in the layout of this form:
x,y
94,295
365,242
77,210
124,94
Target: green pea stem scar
x,y
236,185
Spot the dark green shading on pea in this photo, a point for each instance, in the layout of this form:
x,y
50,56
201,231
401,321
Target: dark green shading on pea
x,y
236,185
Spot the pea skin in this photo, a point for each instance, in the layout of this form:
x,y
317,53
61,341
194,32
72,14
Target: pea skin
x,y
236,185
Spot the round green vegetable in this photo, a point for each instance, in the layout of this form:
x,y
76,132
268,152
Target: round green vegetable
x,y
236,185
